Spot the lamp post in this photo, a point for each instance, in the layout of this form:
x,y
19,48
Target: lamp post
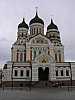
x,y
70,81
12,74
71,74
30,83
1,78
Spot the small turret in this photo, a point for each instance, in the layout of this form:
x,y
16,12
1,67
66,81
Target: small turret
x,y
23,29
52,26
23,25
53,33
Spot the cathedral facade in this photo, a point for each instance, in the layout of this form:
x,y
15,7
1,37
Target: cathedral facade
x,y
37,56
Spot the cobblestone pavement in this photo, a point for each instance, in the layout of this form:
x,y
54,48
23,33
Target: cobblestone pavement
x,y
38,94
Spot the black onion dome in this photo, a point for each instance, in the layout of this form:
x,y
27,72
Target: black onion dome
x,y
36,19
52,26
23,25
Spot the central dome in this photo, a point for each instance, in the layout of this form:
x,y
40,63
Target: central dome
x,y
36,19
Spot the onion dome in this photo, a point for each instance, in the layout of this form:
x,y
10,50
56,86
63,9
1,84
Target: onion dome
x,y
36,19
23,25
52,26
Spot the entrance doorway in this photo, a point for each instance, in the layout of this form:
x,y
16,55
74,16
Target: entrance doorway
x,y
43,75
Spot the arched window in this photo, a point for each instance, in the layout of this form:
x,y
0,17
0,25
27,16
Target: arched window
x,y
34,54
67,72
25,56
17,57
22,34
15,72
21,57
56,72
59,57
56,57
37,30
27,73
31,54
21,73
61,72
34,30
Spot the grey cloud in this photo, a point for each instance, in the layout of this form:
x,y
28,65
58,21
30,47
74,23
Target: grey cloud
x,y
12,12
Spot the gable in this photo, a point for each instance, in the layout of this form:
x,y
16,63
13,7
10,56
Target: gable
x,y
44,58
39,39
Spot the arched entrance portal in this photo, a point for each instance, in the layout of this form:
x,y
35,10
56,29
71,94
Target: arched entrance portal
x,y
43,75
40,73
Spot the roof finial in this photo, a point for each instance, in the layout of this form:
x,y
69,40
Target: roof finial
x,y
52,19
36,11
23,19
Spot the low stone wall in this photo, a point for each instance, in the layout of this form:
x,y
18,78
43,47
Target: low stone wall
x,y
37,83
15,83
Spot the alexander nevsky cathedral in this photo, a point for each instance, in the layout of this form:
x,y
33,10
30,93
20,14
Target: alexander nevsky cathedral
x,y
37,57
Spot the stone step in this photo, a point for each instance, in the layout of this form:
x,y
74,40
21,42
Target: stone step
x,y
41,84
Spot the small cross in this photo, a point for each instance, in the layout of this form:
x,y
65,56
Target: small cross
x,y
52,16
36,9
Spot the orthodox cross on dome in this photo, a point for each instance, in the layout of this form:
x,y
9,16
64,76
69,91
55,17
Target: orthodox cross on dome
x,y
23,19
52,17
36,10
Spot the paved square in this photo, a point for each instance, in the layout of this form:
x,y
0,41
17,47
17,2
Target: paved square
x,y
37,94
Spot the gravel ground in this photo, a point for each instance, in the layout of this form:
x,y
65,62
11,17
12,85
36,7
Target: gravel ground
x,y
38,94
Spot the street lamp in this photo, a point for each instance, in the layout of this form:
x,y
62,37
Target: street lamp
x,y
12,74
1,78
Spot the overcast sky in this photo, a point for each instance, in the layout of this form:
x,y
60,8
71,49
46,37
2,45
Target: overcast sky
x,y
12,12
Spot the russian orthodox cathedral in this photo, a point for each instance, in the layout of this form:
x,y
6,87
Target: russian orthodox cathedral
x,y
37,56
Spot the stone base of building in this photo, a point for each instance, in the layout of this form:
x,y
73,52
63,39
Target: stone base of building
x,y
37,83
16,84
